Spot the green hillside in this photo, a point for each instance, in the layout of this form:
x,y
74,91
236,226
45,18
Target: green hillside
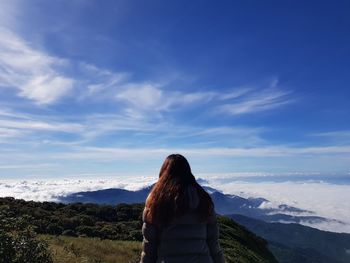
x,y
294,243
94,233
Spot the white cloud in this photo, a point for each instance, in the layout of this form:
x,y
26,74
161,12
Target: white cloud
x,y
14,124
46,89
42,78
150,97
145,96
257,101
39,125
100,82
27,166
91,126
9,133
325,199
236,136
235,93
9,12
50,189
105,153
86,127
337,137
98,125
34,73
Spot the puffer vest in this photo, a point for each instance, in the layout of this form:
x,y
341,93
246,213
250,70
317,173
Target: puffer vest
x,y
186,239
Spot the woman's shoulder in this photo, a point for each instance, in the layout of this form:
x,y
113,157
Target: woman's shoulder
x,y
144,214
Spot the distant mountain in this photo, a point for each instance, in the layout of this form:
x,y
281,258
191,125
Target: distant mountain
x,y
110,196
294,243
224,204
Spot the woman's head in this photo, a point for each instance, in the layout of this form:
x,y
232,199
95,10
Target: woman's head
x,y
176,169
169,196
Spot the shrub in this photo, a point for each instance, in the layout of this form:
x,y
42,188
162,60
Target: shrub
x,y
29,249
69,232
7,251
18,242
54,229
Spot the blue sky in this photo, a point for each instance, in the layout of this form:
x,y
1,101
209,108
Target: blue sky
x,y
96,88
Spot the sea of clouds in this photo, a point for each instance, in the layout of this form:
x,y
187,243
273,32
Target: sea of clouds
x,y
325,199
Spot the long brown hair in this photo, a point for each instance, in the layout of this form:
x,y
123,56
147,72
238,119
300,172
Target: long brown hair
x,y
168,198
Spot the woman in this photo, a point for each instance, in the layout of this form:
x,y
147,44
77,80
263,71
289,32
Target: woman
x,y
179,222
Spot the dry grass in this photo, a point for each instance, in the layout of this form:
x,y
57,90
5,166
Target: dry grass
x,y
92,250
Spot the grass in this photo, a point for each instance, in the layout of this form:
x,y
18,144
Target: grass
x,y
92,250
238,244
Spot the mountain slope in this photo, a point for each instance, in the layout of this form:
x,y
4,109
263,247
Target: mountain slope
x,y
241,245
297,243
123,222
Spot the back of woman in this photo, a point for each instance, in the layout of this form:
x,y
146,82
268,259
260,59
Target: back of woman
x,y
179,219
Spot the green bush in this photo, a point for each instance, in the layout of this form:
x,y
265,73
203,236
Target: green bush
x,y
18,242
29,249
7,250
69,232
54,229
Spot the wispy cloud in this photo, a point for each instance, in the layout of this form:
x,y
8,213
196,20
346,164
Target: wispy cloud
x,y
27,166
8,13
237,93
34,73
104,153
43,78
341,137
257,101
16,124
100,83
38,125
86,127
9,133
153,97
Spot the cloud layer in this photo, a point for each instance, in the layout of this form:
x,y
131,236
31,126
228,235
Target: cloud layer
x,y
325,199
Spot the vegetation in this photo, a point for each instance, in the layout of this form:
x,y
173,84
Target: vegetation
x,y
18,242
122,222
88,232
241,245
92,250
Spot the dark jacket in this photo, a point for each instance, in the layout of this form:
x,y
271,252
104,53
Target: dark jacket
x,y
185,239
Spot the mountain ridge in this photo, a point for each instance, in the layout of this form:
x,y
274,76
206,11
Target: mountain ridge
x,y
224,204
